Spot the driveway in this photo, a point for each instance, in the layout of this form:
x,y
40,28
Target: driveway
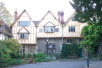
x,y
56,64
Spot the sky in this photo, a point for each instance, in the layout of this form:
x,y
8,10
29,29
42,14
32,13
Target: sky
x,y
38,8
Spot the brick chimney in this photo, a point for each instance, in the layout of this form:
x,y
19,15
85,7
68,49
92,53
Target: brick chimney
x,y
62,17
59,16
16,14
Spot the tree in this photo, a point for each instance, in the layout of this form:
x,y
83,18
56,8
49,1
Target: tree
x,y
89,11
8,47
11,44
5,15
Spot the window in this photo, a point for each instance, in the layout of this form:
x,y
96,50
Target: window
x,y
69,40
23,35
41,30
71,28
24,23
56,29
0,27
49,29
73,19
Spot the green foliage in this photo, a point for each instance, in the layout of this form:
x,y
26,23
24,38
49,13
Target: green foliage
x,y
14,62
21,56
40,57
8,47
12,44
69,50
5,15
92,34
88,11
57,55
29,55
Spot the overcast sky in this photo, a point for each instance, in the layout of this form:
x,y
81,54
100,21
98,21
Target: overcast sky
x,y
38,8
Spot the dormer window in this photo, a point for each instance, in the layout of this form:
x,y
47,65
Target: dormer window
x,y
23,35
24,23
73,19
49,28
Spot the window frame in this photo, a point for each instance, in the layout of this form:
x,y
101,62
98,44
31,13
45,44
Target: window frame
x,y
41,29
22,35
69,41
56,29
71,28
49,30
23,23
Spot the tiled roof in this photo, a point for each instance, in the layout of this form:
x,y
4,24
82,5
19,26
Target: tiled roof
x,y
36,22
8,32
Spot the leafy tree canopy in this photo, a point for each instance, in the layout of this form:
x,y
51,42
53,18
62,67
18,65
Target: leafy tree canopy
x,y
5,15
92,34
11,44
88,10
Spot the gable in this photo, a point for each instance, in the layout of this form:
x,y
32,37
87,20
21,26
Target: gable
x,y
24,16
49,24
23,30
69,20
49,17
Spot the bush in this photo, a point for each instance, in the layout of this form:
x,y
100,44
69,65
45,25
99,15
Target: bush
x,y
15,62
29,55
40,57
57,55
3,63
34,55
13,56
70,51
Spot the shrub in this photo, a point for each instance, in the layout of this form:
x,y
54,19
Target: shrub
x,y
40,57
34,55
57,55
70,50
14,62
29,55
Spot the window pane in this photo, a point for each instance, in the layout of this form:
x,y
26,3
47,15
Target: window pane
x,y
71,28
24,23
56,29
23,35
69,40
73,19
49,29
41,30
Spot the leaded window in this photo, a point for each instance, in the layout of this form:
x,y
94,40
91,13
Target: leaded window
x,y
71,28
23,35
24,23
49,29
69,40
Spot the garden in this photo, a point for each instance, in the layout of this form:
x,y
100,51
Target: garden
x,y
9,54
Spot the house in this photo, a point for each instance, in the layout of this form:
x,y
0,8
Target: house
x,y
46,35
5,31
24,30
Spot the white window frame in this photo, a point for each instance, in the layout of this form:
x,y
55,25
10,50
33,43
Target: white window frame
x,y
41,30
23,35
56,29
71,28
69,41
20,23
49,29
